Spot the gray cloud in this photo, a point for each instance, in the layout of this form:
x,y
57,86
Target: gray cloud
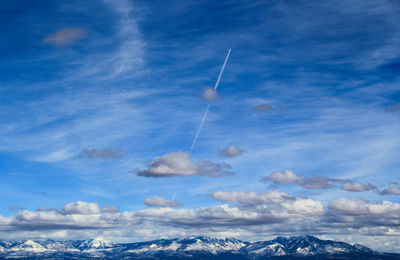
x,y
392,189
315,182
101,153
361,212
231,151
261,108
357,186
251,197
318,182
156,201
65,36
322,182
179,164
210,94
109,209
81,207
289,177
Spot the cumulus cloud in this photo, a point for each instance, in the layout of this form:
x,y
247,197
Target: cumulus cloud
x,y
225,215
156,201
210,94
285,177
261,108
357,186
81,207
251,197
372,213
101,153
231,151
65,36
289,177
179,164
256,213
392,189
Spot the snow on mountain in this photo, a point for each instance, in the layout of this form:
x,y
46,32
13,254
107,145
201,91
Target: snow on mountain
x,y
189,248
29,245
174,246
266,248
97,243
59,246
213,245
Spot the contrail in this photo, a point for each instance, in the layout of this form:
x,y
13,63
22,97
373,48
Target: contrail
x,y
209,103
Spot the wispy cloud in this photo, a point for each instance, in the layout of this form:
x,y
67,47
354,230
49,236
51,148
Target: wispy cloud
x,y
65,36
103,154
261,108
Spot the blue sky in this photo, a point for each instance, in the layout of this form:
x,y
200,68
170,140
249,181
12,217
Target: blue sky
x,y
100,102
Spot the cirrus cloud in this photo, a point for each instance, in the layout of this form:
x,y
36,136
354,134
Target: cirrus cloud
x,y
65,36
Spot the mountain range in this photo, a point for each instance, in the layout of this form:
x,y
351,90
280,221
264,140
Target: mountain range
x,y
298,247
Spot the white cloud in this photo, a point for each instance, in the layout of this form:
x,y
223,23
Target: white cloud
x,y
231,151
257,214
384,209
179,164
285,177
156,201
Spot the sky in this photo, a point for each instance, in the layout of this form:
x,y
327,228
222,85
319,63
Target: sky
x,y
100,102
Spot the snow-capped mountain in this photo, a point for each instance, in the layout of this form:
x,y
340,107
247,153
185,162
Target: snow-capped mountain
x,y
97,243
303,247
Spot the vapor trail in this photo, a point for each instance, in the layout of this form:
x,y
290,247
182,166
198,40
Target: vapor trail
x,y
209,103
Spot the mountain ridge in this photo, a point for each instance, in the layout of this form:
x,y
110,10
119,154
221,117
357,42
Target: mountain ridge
x,y
200,247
